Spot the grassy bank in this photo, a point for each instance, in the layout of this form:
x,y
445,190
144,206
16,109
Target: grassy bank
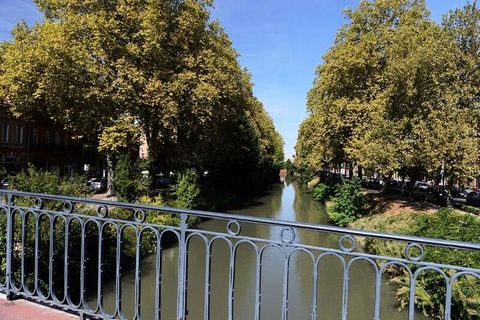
x,y
348,205
442,224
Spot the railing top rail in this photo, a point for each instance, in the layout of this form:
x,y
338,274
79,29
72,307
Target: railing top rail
x,y
252,219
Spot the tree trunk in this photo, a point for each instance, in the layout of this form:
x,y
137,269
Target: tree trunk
x,y
110,190
386,182
449,190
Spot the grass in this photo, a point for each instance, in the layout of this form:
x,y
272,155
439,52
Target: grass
x,y
403,217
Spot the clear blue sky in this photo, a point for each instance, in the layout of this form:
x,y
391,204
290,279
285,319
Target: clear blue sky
x,y
280,42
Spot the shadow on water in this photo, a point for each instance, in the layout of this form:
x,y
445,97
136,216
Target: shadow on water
x,y
287,201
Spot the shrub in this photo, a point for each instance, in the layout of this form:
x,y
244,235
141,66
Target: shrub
x,y
349,203
445,224
187,189
470,209
448,224
39,181
322,192
128,181
155,217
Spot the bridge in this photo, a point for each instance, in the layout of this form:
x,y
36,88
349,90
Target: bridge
x,y
90,257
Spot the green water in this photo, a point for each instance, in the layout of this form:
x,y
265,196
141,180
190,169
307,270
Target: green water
x,y
287,201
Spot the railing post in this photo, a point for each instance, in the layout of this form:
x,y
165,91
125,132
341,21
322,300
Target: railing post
x,y
182,269
9,245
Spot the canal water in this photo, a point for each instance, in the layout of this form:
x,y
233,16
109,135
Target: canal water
x,y
286,201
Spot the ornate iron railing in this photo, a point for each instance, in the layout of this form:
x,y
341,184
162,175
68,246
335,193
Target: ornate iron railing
x,y
64,251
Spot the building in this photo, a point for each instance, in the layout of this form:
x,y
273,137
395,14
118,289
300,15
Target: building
x,y
46,146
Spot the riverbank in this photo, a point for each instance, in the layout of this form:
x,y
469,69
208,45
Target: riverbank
x,y
392,214
350,206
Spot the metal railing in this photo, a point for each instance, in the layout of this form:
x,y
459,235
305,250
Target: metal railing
x,y
64,251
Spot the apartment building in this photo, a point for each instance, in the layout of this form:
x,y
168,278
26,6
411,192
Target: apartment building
x,y
44,145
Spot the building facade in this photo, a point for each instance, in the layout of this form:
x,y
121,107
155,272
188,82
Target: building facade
x,y
46,146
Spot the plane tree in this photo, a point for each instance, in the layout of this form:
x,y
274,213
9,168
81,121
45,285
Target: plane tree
x,y
161,63
389,97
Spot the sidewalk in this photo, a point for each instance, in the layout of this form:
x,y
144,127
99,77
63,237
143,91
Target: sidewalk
x,y
25,310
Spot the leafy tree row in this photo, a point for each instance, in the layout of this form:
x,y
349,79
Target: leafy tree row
x,y
397,92
113,71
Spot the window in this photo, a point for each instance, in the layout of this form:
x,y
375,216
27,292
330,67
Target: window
x,y
5,133
47,137
19,134
34,136
57,138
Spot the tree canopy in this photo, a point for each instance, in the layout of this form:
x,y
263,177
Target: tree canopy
x,y
392,95
163,64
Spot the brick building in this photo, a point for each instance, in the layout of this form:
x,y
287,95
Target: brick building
x,y
44,145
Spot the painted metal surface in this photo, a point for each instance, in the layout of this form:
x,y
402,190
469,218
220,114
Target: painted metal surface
x,y
69,221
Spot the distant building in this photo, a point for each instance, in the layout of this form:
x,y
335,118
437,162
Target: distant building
x,y
143,148
475,183
44,145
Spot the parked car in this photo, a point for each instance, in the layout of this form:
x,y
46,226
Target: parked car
x,y
421,186
400,187
473,199
160,180
460,195
98,184
441,194
375,184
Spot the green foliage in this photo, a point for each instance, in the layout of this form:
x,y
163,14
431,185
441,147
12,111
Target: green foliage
x,y
128,181
164,219
472,210
123,133
394,94
322,192
110,70
3,244
187,190
349,203
445,224
304,173
39,181
288,164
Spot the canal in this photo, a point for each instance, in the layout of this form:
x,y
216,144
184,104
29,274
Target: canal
x,y
286,201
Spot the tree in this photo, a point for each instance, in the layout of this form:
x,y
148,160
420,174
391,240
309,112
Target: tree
x,y
162,63
388,97
464,26
120,136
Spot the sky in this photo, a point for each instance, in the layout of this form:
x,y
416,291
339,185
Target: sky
x,y
280,42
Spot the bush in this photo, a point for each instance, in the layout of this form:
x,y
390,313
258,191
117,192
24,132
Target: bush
x,y
187,189
321,192
50,182
155,217
448,224
472,210
39,181
445,224
128,181
349,203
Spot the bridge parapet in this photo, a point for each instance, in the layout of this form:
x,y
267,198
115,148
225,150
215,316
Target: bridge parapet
x,y
65,251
